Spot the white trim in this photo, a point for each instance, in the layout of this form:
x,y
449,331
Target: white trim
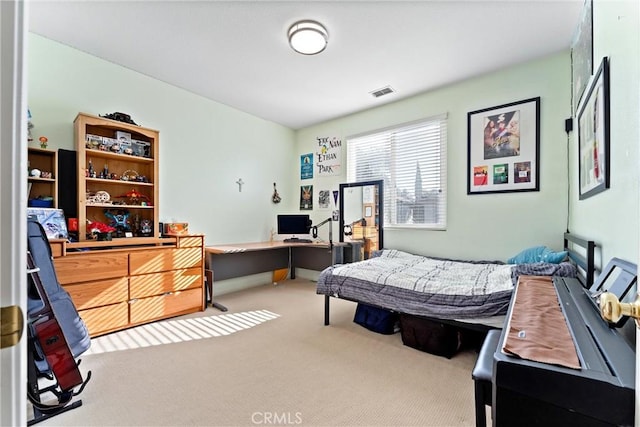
x,y
13,178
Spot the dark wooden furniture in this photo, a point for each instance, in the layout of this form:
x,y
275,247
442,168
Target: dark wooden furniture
x,y
600,393
481,376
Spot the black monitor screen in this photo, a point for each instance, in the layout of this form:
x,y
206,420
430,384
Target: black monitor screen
x,y
294,224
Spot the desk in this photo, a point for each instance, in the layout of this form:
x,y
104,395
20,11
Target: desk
x,y
243,259
229,261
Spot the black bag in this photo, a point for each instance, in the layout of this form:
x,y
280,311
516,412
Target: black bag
x,y
429,336
376,319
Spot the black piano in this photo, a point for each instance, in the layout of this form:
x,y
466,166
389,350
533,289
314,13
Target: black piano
x,y
601,392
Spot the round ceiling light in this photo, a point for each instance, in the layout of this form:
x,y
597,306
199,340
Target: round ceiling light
x,y
308,37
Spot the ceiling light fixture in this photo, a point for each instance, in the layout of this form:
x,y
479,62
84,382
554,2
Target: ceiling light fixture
x,y
308,37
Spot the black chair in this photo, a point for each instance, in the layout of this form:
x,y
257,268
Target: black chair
x,y
482,373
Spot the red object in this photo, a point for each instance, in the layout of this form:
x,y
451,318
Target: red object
x,y
59,357
73,224
51,338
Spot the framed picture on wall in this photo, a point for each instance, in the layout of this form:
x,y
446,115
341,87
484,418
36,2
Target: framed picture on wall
x,y
593,135
582,53
503,147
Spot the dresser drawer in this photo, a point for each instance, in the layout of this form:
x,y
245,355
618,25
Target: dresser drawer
x,y
106,319
153,261
169,281
173,304
99,293
190,241
88,267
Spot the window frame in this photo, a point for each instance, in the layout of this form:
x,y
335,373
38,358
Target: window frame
x,y
390,190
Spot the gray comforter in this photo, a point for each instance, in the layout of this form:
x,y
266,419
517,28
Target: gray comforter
x,y
447,289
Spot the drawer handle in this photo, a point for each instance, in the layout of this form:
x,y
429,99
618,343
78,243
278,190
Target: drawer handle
x,y
131,301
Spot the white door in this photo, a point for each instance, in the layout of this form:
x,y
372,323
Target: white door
x,y
13,178
637,421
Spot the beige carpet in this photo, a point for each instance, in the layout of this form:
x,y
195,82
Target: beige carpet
x,y
289,369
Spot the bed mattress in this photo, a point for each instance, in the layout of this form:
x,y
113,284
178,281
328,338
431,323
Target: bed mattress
x,y
432,287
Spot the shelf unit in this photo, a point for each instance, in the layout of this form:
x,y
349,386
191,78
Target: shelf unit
x,y
45,161
116,165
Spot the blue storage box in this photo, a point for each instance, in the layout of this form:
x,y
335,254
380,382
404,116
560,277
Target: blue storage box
x,y
377,319
40,203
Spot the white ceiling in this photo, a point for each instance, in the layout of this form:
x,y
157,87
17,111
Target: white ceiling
x,y
236,52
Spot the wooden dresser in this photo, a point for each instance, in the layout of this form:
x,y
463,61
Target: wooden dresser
x,y
116,286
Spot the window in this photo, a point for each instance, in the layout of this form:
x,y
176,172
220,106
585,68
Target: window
x,y
412,160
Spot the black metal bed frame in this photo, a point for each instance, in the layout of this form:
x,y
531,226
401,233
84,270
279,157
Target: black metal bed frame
x,y
586,274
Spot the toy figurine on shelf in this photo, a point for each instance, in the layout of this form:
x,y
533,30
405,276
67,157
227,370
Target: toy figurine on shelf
x,y
146,228
119,220
43,141
134,197
99,230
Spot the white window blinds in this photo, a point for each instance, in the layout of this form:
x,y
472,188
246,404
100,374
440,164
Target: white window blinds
x,y
412,160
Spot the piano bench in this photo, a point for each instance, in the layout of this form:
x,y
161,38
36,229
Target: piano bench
x,y
482,374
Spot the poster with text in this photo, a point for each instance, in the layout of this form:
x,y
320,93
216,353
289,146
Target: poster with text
x,y
306,166
306,197
328,156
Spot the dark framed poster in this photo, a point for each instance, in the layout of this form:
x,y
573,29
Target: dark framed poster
x,y
503,148
593,135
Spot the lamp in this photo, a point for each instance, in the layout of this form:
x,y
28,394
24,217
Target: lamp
x,y
308,37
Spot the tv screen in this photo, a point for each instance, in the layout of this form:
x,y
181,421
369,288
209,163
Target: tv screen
x,y
294,224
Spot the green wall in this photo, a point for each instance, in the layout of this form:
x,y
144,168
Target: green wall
x,y
480,226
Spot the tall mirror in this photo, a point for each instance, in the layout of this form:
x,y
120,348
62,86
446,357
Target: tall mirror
x,y
361,215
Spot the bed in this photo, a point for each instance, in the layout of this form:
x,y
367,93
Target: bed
x,y
473,294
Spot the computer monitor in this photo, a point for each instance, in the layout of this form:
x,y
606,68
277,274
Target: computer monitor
x,y
294,224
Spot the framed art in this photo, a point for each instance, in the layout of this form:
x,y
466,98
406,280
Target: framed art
x,y
503,147
582,53
593,135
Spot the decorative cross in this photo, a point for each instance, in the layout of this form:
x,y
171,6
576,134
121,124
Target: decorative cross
x,y
240,182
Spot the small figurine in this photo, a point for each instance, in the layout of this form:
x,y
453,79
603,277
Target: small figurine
x,y
43,141
136,198
146,228
91,173
96,229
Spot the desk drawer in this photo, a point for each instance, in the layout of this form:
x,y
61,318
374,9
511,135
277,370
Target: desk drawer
x,y
154,261
173,304
169,281
88,267
106,319
99,293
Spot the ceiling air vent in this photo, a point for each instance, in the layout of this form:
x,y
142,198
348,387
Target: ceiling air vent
x,y
381,92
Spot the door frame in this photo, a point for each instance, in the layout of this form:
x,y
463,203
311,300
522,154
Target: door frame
x,y
13,202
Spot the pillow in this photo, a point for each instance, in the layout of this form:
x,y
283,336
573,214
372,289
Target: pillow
x,y
554,257
538,254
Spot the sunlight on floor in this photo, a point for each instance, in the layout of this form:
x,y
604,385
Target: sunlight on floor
x,y
179,330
